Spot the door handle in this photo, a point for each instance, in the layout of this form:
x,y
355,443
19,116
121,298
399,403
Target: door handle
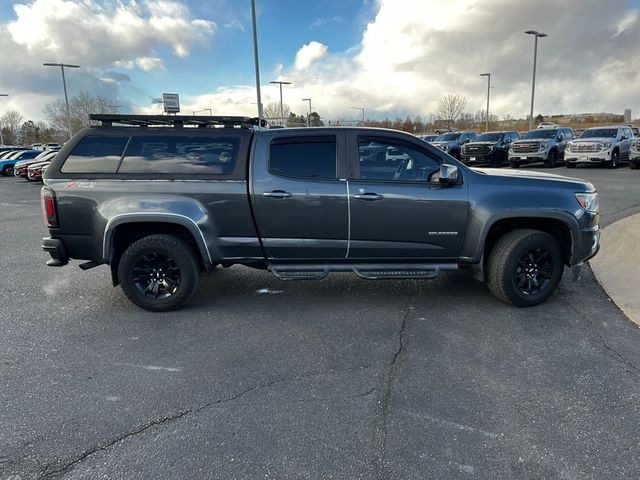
x,y
369,196
277,194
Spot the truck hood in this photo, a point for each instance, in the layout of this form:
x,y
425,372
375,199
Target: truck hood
x,y
527,174
594,140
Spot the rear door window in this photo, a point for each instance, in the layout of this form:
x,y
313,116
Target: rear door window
x,y
304,157
96,154
177,154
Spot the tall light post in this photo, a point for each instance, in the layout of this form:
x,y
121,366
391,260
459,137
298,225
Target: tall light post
x,y
255,57
488,75
278,82
308,116
64,85
1,135
360,108
536,35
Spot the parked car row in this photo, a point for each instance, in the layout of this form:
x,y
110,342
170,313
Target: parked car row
x,y
548,144
25,163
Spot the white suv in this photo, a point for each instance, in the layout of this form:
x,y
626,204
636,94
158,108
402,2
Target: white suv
x,y
604,145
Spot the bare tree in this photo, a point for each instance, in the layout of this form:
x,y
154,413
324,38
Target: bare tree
x,y
80,106
11,122
450,107
273,115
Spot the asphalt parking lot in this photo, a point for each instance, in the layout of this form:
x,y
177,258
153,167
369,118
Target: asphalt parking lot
x,y
342,378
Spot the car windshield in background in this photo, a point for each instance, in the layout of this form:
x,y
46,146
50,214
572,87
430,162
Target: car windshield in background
x,y
489,137
600,133
448,137
540,134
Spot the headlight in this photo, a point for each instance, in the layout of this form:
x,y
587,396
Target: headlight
x,y
604,146
544,145
491,148
569,145
588,201
635,145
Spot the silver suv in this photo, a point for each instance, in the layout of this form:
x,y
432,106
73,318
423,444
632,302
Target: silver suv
x,y
540,145
604,145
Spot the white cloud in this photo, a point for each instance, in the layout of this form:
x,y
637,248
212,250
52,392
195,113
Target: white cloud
x,y
235,24
101,34
150,63
308,54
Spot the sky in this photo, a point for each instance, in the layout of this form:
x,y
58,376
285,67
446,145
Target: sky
x,y
391,57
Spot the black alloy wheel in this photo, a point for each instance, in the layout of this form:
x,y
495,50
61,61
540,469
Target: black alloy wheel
x,y
534,272
156,275
525,267
7,171
159,272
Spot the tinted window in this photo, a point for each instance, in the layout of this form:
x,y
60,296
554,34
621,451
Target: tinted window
x,y
448,137
600,133
388,160
542,133
95,154
180,155
310,157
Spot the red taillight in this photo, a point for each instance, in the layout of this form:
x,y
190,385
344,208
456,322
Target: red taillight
x,y
49,213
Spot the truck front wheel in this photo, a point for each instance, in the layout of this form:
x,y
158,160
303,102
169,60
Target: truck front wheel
x,y
525,267
159,272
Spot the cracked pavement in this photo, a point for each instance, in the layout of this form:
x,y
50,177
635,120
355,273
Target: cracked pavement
x,y
341,378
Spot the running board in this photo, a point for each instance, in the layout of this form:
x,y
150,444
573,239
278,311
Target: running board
x,y
366,271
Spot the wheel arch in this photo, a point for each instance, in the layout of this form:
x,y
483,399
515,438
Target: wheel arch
x,y
122,230
558,228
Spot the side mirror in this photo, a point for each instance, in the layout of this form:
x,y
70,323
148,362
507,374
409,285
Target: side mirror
x,y
448,174
625,137
560,137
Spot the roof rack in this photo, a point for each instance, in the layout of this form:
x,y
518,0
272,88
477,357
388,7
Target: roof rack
x,y
108,120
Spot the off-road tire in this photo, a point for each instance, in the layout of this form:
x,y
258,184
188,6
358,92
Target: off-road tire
x,y
615,160
503,266
7,171
633,165
514,164
182,256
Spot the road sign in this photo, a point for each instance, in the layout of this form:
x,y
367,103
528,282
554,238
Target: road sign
x,y
171,102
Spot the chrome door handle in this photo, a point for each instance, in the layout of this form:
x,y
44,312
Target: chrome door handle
x,y
369,196
277,194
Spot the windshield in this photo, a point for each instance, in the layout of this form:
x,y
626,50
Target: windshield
x,y
540,134
489,137
600,133
448,137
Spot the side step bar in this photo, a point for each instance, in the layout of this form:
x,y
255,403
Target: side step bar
x,y
366,271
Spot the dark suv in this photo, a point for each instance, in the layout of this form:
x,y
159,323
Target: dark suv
x,y
490,148
452,142
162,199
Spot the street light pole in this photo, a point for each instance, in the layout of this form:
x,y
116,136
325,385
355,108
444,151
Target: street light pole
x,y
488,75
255,56
64,86
1,135
308,116
535,58
360,108
281,107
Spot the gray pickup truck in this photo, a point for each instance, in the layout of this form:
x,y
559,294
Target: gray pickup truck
x,y
162,199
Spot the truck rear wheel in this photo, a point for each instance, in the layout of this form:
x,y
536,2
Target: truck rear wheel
x,y
525,267
633,165
159,273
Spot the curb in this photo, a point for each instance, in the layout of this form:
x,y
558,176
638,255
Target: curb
x,y
617,265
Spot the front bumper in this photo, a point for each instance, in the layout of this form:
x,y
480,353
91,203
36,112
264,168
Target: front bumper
x,y
578,157
479,158
55,248
539,156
